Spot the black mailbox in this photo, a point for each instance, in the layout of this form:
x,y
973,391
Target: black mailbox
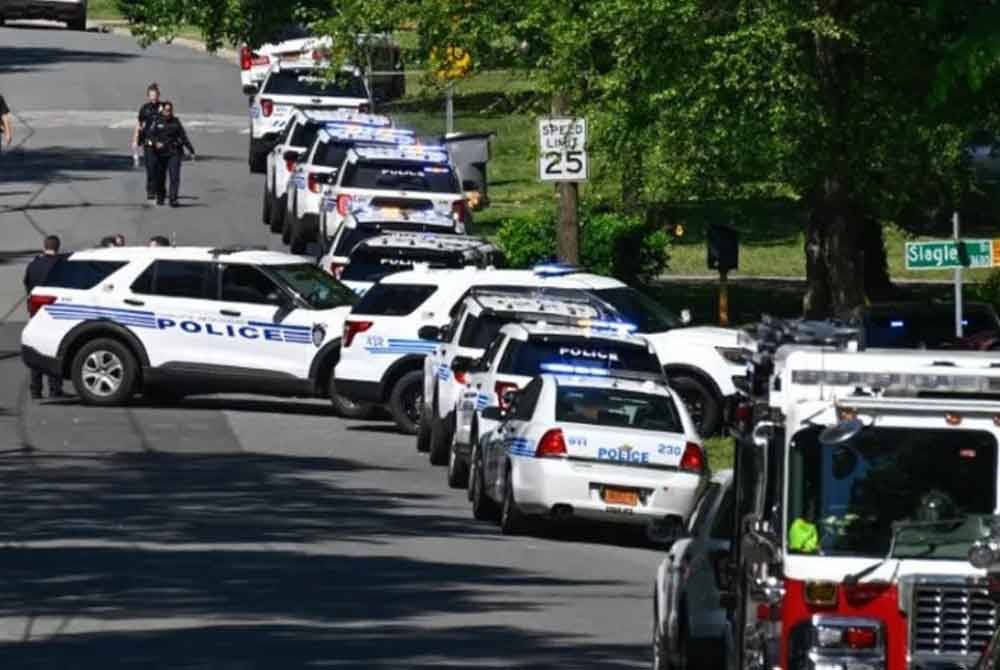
x,y
723,248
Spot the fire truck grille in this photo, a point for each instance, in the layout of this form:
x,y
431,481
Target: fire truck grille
x,y
950,622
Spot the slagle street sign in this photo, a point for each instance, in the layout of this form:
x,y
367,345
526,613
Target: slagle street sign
x,y
948,254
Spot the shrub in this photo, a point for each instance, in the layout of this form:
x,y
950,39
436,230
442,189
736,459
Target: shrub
x,y
989,290
612,244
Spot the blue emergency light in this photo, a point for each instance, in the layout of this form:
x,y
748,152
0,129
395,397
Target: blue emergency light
x,y
580,370
555,269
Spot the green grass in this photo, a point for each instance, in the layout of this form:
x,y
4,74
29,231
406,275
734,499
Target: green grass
x,y
720,452
103,10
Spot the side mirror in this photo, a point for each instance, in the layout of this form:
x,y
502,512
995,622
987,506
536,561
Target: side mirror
x,y
323,177
685,316
291,155
432,333
250,90
493,414
510,397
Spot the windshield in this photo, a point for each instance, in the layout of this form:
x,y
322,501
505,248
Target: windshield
x,y
401,176
371,264
613,407
567,354
843,500
648,315
317,288
314,84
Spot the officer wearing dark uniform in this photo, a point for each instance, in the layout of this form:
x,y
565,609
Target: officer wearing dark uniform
x,y
148,113
169,141
35,275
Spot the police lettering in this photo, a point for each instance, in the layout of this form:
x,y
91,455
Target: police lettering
x,y
395,261
623,455
400,173
225,330
574,352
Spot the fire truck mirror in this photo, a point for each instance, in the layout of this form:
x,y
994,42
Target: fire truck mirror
x,y
761,548
841,433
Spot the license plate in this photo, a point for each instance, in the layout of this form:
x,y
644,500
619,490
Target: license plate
x,y
614,496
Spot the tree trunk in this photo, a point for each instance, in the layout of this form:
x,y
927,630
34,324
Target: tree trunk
x,y
877,284
568,234
631,162
834,267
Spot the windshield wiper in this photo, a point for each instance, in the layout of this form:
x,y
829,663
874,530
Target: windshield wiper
x,y
897,527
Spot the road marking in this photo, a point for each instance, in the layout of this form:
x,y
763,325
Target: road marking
x,y
124,119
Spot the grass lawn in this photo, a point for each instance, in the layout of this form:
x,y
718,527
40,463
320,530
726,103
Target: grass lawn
x,y
103,10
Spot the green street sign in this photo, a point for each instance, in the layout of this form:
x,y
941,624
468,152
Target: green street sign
x,y
945,254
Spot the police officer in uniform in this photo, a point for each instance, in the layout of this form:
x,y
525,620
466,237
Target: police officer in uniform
x,y
148,114
35,275
169,141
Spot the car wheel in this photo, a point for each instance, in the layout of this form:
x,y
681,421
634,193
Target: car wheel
x,y
424,434
458,471
277,220
289,223
266,206
406,401
258,161
512,520
483,508
104,372
346,407
704,406
660,661
441,438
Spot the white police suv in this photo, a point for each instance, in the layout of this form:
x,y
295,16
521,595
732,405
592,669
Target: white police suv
x,y
295,142
287,87
288,44
407,177
321,165
186,320
476,321
364,223
523,350
579,445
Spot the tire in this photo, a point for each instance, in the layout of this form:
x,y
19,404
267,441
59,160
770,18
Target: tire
x,y
660,658
347,408
297,242
440,448
704,406
288,227
257,161
266,207
104,372
424,434
405,401
458,471
277,220
512,520
483,508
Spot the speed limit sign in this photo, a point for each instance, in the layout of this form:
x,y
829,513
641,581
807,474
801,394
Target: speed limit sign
x,y
562,149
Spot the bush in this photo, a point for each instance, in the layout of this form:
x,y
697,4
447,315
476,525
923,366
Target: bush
x,y
989,290
612,244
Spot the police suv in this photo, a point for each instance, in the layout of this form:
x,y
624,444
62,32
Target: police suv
x,y
287,44
575,444
186,320
408,177
365,223
377,257
475,323
294,143
321,165
287,87
523,350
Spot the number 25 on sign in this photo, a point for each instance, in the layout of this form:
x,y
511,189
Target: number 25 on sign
x,y
562,149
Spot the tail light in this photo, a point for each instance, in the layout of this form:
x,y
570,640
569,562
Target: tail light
x,y
860,637
693,458
318,55
289,164
551,444
343,204
500,388
461,376
364,108
459,210
336,269
267,107
313,185
245,58
36,302
352,328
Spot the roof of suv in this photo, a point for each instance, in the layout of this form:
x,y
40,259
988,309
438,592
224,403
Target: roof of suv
x,y
233,254
612,332
491,277
430,241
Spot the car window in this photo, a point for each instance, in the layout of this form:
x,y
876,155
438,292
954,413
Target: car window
x,y
314,83
527,399
722,523
317,288
405,176
394,299
570,355
486,362
245,283
701,511
177,279
648,315
80,274
304,134
483,330
618,408
289,127
330,154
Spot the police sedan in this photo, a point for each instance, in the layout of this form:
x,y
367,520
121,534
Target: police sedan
x,y
583,445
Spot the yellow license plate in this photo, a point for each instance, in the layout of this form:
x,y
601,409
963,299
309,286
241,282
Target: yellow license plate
x,y
614,496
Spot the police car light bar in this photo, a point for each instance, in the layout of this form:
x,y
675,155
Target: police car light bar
x,y
416,152
400,214
338,131
579,370
622,327
895,382
554,269
349,116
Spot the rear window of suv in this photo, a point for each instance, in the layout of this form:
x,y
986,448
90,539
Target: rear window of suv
x,y
304,82
80,274
393,299
570,354
400,176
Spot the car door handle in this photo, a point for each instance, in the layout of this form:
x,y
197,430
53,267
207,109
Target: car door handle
x,y
229,312
133,301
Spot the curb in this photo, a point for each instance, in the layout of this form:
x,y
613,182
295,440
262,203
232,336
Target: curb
x,y
118,27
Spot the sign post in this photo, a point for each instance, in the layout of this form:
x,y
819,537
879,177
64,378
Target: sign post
x,y
562,159
958,276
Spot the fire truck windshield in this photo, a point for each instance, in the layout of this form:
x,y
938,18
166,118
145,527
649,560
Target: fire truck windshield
x,y
843,499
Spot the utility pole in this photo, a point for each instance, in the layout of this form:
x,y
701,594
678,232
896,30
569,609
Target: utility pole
x,y
568,234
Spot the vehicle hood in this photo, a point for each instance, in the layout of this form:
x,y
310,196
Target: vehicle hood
x,y
712,336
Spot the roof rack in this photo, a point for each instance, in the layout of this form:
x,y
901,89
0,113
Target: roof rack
x,y
235,248
603,309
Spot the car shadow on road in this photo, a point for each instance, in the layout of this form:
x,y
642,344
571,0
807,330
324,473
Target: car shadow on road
x,y
15,59
56,163
245,541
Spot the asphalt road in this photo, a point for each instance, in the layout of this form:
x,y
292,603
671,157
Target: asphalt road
x,y
232,532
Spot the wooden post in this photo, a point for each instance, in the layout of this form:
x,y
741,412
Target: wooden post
x,y
723,297
568,236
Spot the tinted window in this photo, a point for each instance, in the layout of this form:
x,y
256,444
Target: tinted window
x,y
177,279
304,134
393,299
80,274
373,263
245,283
929,329
615,407
648,315
568,354
331,154
722,524
313,83
408,176
318,289
480,331
486,362
527,399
